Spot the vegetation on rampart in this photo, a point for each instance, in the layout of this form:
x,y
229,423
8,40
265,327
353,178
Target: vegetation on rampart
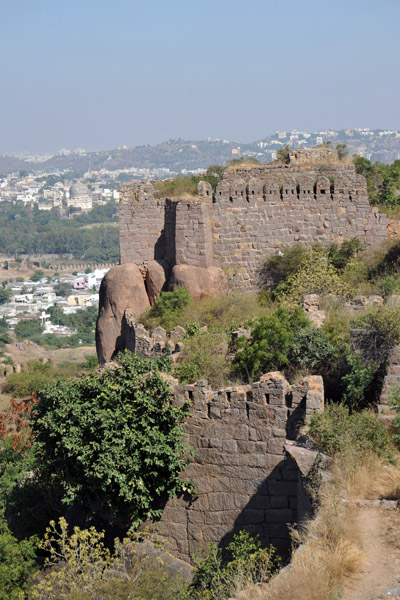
x,y
112,442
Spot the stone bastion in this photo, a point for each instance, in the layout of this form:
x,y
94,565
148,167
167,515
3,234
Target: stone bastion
x,y
253,212
246,468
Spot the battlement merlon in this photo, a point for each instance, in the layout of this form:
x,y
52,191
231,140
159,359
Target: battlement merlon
x,y
253,212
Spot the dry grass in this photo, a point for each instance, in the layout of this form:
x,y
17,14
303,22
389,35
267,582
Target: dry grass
x,y
370,480
329,550
243,165
329,546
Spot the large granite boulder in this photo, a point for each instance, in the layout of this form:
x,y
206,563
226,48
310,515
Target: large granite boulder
x,y
201,282
121,289
155,280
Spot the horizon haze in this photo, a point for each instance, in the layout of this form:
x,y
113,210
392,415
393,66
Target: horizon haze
x,y
98,76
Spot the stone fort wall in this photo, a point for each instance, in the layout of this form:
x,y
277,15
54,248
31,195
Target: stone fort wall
x,y
252,214
243,477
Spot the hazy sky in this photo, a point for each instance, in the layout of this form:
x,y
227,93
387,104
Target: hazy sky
x,y
101,73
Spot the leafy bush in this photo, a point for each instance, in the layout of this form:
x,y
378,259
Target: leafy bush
x,y
247,563
279,267
17,562
80,567
386,320
204,356
390,285
269,345
311,350
316,276
187,185
113,440
167,309
223,313
31,379
29,329
357,382
339,257
337,431
35,375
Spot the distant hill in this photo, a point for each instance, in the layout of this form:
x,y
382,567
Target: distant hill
x,y
178,154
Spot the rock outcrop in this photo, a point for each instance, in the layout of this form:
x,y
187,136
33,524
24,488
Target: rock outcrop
x,y
155,280
121,289
202,282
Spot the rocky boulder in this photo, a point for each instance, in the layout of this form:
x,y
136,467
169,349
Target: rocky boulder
x,y
201,282
155,280
121,289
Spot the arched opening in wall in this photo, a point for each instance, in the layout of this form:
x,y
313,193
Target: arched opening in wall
x,y
315,190
298,190
230,198
281,192
332,186
266,398
350,197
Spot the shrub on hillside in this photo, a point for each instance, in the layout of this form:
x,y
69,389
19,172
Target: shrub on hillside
x,y
17,564
80,567
337,431
167,309
340,256
29,329
245,563
279,267
316,276
385,320
113,440
204,356
269,345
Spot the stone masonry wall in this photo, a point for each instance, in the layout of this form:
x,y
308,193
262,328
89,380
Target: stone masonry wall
x,y
141,224
193,240
242,475
251,219
252,214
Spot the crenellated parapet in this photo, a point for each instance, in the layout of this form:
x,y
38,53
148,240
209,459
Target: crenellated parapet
x,y
242,475
252,213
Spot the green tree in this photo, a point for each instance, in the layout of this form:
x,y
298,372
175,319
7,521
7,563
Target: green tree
x,y
283,154
282,265
63,289
316,276
37,275
113,440
168,307
28,329
342,151
17,562
270,343
5,295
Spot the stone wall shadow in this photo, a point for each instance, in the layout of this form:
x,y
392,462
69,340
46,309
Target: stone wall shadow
x,y
279,503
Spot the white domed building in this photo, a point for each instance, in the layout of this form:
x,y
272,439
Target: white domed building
x,y
80,198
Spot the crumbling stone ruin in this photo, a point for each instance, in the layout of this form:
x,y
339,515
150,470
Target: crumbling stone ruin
x,y
216,241
254,211
244,472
